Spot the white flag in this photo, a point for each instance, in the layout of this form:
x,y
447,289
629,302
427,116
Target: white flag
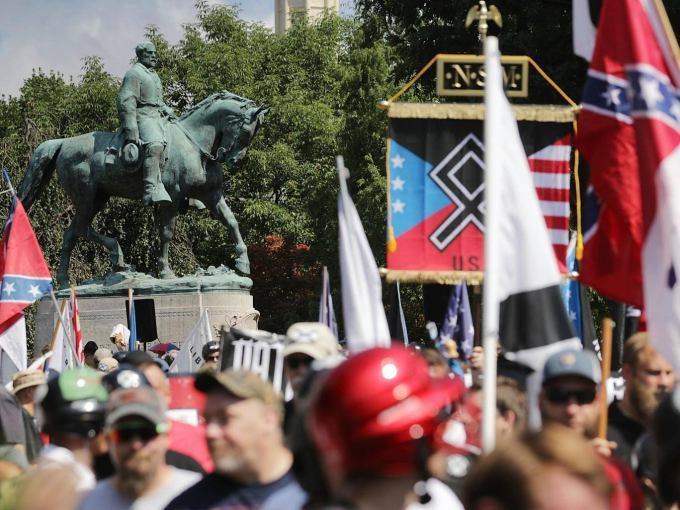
x,y
62,357
522,300
362,306
189,357
326,312
584,30
13,350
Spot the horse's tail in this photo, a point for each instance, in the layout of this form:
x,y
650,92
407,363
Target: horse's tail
x,y
39,172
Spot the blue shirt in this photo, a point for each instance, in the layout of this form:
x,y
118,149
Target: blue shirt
x,y
217,492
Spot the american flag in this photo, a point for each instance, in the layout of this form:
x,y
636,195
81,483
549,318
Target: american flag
x,y
551,171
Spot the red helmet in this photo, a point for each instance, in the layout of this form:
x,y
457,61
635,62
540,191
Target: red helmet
x,y
370,410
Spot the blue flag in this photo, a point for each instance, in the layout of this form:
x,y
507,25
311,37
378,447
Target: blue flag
x,y
132,322
457,324
571,291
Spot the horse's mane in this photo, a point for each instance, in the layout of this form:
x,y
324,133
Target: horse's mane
x,y
241,103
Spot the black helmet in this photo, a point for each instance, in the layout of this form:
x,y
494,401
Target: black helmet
x,y
210,347
126,376
75,403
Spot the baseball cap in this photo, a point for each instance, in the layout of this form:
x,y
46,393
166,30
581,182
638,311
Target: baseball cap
x,y
138,358
572,362
107,365
27,378
102,353
141,401
243,384
210,347
311,338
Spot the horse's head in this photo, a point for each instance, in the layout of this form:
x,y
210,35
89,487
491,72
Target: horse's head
x,y
235,119
252,121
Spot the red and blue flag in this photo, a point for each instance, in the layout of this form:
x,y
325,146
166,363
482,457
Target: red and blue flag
x,y
24,272
629,131
436,180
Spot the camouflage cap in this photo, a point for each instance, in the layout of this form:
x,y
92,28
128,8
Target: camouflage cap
x,y
243,384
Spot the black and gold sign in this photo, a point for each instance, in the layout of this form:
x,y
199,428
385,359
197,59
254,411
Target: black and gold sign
x,y
464,75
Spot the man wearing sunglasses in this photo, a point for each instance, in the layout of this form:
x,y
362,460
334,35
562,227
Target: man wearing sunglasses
x,y
137,432
571,380
570,396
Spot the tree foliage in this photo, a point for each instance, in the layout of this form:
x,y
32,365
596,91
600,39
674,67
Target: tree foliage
x,y
322,81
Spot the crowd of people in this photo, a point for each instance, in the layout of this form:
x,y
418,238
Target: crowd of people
x,y
387,428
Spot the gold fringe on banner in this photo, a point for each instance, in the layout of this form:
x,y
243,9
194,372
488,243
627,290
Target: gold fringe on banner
x,y
447,277
440,277
473,111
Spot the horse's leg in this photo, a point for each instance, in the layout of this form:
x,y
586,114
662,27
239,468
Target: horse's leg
x,y
67,245
110,243
166,216
222,212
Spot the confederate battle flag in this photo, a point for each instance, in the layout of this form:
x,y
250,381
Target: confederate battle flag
x,y
24,272
629,131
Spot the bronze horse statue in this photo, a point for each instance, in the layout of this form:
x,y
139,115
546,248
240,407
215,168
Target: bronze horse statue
x,y
217,130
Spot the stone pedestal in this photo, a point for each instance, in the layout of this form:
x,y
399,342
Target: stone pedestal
x,y
178,303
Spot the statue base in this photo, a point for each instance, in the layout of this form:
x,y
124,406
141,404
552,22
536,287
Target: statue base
x,y
178,303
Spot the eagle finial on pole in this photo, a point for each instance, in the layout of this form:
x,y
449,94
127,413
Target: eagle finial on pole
x,y
483,14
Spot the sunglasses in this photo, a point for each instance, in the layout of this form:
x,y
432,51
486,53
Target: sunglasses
x,y
559,396
297,362
143,431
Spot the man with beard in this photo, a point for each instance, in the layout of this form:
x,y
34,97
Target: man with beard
x,y
571,397
243,416
137,429
648,379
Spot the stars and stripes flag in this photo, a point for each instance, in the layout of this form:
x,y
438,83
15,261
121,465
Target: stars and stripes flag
x,y
436,196
629,131
457,324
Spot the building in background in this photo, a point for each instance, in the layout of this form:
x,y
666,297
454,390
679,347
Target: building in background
x,y
285,9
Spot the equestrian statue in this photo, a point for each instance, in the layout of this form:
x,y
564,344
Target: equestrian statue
x,y
155,156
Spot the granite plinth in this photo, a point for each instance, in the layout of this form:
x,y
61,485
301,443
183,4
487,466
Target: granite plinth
x,y
213,279
176,313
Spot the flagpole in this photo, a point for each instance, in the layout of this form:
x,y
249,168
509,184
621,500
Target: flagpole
x,y
68,337
55,331
491,312
607,333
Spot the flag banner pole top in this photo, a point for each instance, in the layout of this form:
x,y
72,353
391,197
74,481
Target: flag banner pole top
x,y
386,104
472,111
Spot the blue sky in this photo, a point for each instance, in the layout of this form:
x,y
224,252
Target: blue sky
x,y
57,34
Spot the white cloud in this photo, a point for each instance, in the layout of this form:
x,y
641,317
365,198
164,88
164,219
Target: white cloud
x,y
56,35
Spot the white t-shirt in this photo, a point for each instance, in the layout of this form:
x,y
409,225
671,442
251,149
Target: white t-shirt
x,y
105,497
442,498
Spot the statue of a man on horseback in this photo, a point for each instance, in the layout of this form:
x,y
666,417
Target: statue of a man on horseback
x,y
182,160
141,107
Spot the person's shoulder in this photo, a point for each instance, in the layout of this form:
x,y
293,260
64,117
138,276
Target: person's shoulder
x,y
195,495
184,476
103,491
136,71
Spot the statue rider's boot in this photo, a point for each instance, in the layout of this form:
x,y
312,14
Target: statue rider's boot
x,y
154,191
